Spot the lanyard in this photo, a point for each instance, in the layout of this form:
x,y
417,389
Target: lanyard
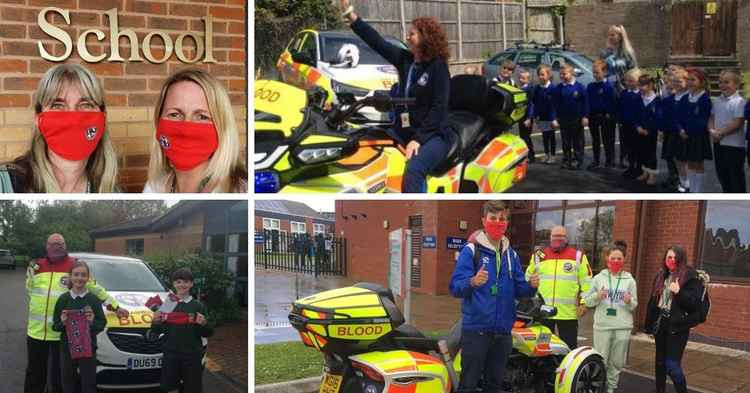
x,y
408,80
612,298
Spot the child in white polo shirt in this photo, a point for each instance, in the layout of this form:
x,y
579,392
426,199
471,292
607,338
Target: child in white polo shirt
x,y
725,126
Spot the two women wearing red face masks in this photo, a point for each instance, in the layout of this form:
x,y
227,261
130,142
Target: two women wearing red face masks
x,y
72,152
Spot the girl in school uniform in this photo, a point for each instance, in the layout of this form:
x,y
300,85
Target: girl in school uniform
x,y
647,126
628,107
694,128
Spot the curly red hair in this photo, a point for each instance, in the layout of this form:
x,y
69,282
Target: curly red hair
x,y
433,43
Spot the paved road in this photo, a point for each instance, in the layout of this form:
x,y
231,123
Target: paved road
x,y
550,178
13,309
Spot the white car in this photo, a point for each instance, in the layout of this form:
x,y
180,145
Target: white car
x,y
126,359
339,62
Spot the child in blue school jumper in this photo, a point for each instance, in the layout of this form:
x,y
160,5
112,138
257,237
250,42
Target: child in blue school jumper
x,y
602,115
696,146
628,108
572,107
524,126
647,126
542,111
676,84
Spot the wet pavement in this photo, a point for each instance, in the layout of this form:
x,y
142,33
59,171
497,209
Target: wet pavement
x,y
550,178
708,368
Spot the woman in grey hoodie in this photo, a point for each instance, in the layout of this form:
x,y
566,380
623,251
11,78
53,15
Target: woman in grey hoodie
x,y
613,293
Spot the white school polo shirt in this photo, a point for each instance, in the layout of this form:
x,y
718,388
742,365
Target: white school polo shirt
x,y
726,109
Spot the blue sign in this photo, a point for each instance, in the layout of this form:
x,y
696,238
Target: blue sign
x,y
429,242
455,243
259,238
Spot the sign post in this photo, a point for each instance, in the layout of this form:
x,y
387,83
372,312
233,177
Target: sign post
x,y
399,272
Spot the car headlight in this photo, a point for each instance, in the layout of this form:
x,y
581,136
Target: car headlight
x,y
312,156
339,88
266,182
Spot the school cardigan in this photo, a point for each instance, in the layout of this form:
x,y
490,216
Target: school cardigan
x,y
669,113
649,116
695,121
429,83
629,107
571,100
601,97
542,106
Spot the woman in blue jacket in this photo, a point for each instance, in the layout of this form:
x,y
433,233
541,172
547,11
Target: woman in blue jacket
x,y
488,306
423,74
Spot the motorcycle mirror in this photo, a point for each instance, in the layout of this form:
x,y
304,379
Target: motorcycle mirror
x,y
382,101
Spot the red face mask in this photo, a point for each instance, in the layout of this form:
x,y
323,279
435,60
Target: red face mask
x,y
558,244
615,266
72,135
671,263
495,229
187,144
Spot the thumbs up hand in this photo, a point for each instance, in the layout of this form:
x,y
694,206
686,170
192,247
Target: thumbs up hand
x,y
480,278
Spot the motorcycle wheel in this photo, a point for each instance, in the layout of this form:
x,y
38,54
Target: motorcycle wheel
x,y
591,376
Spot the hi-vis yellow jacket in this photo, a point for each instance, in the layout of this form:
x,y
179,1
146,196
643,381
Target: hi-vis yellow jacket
x,y
563,277
45,283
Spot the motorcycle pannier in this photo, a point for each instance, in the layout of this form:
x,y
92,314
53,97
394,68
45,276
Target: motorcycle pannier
x,y
347,319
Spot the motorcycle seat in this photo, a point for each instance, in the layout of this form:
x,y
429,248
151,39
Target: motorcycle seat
x,y
465,120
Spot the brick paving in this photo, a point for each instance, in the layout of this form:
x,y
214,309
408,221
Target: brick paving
x,y
228,352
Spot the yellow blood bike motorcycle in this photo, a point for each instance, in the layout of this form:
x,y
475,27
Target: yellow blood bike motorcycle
x,y
304,145
368,348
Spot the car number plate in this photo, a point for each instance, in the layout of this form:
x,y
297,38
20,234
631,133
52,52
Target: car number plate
x,y
331,383
144,363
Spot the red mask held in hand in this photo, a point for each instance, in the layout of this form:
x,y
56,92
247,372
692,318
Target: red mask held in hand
x,y
670,263
72,135
615,266
187,144
495,229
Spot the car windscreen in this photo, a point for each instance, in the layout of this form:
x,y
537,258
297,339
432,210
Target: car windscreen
x,y
114,275
583,61
330,46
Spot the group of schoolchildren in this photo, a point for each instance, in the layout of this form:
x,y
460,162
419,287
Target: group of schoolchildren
x,y
676,109
183,348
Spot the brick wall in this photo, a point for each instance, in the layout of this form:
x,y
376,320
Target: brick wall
x,y
743,39
176,239
131,87
649,29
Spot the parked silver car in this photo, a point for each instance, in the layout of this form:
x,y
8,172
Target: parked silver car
x,y
530,56
7,259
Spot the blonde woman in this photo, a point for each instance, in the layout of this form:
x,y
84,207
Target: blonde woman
x,y
619,55
196,147
71,150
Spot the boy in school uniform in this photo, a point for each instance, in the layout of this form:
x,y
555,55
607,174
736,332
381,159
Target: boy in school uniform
x,y
725,127
505,73
629,106
572,107
602,115
648,123
542,111
524,79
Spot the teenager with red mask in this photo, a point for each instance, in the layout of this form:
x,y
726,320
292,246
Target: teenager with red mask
x,y
196,145
614,294
676,293
46,280
488,306
565,276
71,150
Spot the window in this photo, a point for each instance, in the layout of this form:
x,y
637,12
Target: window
x,y
499,59
215,243
295,45
298,227
529,61
271,224
134,246
557,61
319,228
726,240
310,47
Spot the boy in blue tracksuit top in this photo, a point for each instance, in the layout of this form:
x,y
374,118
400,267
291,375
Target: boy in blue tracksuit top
x,y
572,107
628,109
488,306
647,125
602,115
542,111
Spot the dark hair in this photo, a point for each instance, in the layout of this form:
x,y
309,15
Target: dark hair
x,y
619,245
680,256
494,207
75,265
434,43
182,273
646,79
